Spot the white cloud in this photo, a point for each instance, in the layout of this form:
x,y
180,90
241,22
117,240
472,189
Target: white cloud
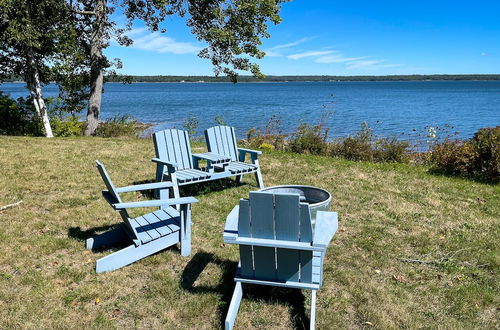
x,y
136,31
273,51
156,42
362,64
337,59
351,63
310,54
484,54
294,43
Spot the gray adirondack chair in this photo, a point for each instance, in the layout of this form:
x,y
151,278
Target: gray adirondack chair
x,y
222,140
278,245
148,233
177,164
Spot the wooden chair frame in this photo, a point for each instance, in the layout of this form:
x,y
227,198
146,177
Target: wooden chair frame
x,y
278,246
149,233
175,163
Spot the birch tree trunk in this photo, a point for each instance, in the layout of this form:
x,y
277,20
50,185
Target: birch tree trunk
x,y
35,87
96,68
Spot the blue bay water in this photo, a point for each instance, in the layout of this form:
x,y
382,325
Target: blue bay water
x,y
391,108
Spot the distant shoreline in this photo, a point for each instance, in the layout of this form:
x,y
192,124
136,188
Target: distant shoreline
x,y
307,78
310,78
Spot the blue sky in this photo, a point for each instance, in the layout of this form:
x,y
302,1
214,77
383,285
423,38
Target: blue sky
x,y
327,37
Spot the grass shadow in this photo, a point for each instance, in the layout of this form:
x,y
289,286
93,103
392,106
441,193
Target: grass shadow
x,y
208,187
473,178
290,297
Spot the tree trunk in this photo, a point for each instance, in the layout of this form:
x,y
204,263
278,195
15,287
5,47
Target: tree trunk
x,y
96,68
35,87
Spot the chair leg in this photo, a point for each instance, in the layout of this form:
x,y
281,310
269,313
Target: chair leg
x,y
234,306
163,194
313,310
176,190
258,177
239,179
133,253
109,238
159,176
185,232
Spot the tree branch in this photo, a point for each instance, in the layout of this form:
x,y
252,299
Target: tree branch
x,y
84,12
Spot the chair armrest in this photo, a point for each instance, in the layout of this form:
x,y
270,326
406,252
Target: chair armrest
x,y
231,227
212,157
147,186
303,246
165,162
250,151
155,203
325,229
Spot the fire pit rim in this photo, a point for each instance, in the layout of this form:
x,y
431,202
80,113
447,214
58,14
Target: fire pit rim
x,y
297,186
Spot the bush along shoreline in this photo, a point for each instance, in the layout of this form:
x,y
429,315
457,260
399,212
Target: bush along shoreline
x,y
477,158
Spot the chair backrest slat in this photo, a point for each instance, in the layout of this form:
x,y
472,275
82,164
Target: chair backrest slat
x,y
262,215
222,140
305,223
173,145
287,217
281,217
112,196
287,265
244,218
107,181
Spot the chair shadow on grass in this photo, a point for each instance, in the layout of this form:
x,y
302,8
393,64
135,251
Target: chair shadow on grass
x,y
83,235
289,297
194,189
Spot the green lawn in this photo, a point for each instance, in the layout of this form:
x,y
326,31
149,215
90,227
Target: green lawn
x,y
387,212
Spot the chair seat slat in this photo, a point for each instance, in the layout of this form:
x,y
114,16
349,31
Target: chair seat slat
x,y
159,225
147,227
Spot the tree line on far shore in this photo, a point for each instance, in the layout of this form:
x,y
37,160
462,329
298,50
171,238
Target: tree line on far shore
x,y
270,78
246,78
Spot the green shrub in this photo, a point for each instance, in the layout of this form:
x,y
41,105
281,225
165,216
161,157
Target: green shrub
x,y
454,157
272,135
191,125
18,117
220,120
357,147
119,126
309,139
478,157
391,150
266,146
64,127
487,144
256,141
363,147
351,148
